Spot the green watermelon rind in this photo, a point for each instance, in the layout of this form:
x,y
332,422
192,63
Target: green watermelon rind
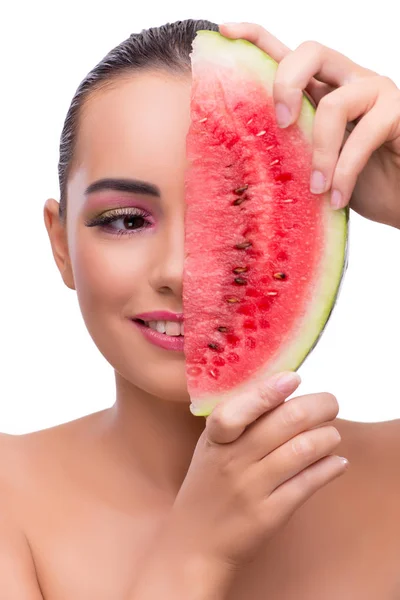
x,y
241,54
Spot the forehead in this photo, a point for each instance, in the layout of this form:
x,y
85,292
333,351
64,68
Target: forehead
x,y
136,127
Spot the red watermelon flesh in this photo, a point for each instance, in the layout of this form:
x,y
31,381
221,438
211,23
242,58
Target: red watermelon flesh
x,y
264,257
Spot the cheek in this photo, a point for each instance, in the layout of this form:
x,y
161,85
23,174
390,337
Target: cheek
x,y
108,273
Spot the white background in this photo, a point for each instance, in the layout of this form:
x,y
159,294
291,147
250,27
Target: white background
x,y
51,371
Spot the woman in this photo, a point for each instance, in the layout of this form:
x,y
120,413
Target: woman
x,y
145,500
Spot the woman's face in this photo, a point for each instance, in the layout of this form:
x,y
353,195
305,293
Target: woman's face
x,y
137,130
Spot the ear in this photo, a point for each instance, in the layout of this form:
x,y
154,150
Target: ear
x,y
58,239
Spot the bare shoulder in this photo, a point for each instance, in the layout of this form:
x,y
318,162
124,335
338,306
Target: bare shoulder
x,y
375,441
34,461
373,450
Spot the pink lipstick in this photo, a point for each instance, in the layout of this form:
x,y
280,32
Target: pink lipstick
x,y
167,342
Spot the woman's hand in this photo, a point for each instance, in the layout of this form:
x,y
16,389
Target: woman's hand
x,y
257,461
356,136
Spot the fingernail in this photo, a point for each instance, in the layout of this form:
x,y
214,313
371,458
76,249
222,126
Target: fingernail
x,y
336,199
344,460
283,115
317,182
285,382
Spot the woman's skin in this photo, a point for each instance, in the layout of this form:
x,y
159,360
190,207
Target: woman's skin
x,y
81,502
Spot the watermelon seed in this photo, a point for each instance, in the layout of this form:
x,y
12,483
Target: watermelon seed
x,y
202,120
279,275
287,200
241,189
240,281
270,147
214,373
274,162
263,132
194,371
243,245
238,270
249,121
222,329
215,346
238,201
232,300
272,293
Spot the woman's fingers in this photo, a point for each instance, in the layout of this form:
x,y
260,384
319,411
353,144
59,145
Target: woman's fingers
x,y
312,60
231,417
257,35
349,98
379,125
335,110
267,42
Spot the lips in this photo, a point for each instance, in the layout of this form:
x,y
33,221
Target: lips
x,y
173,328
159,315
168,342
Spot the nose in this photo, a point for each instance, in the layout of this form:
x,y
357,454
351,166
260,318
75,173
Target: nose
x,y
166,272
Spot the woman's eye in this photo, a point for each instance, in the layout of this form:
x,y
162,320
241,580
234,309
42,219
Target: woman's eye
x,y
131,222
121,223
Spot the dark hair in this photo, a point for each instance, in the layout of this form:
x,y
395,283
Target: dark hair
x,y
167,47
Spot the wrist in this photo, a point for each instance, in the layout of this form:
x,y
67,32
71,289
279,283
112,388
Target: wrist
x,y
175,569
186,576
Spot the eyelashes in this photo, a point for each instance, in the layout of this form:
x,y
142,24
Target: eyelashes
x,y
136,219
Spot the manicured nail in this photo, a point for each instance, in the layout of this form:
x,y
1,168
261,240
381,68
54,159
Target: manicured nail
x,y
344,461
283,115
336,199
317,182
285,382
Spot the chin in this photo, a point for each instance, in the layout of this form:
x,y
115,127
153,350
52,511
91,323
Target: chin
x,y
164,379
157,372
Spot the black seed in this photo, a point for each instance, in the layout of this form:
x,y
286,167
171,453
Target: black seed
x,y
232,300
240,281
241,189
223,329
238,270
279,275
213,346
238,201
243,245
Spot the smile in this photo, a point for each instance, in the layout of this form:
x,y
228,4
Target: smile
x,y
165,334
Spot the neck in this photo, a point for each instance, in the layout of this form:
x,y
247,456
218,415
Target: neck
x,y
157,436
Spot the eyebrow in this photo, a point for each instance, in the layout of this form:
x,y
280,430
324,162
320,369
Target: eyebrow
x,y
134,186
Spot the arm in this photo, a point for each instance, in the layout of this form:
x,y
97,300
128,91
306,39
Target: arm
x,y
18,579
173,572
17,570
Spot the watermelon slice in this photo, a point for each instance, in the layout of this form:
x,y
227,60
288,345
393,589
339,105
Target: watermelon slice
x,y
264,257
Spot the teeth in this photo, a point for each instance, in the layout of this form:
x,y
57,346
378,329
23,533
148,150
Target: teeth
x,y
160,326
172,328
